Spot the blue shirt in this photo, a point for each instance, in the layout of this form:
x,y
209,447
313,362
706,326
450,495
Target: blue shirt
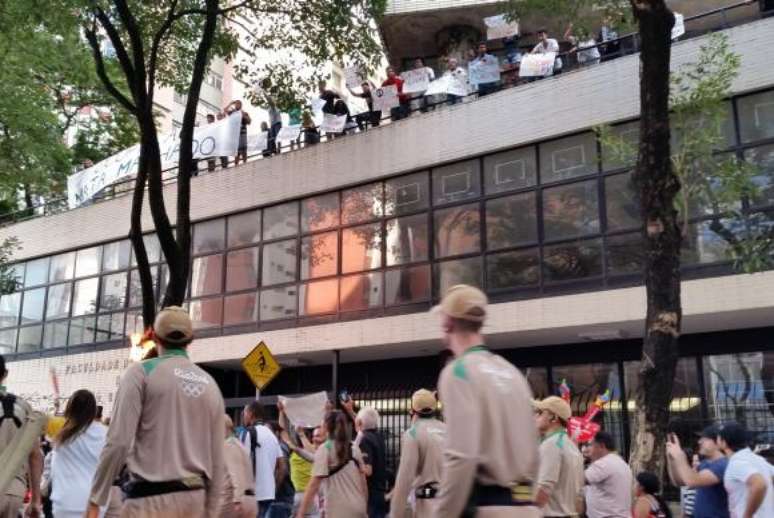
x,y
712,501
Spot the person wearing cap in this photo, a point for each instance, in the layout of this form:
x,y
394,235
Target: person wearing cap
x,y
490,456
421,458
710,500
559,489
748,477
167,427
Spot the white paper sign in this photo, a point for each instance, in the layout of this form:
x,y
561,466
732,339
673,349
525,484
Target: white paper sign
x,y
415,81
498,27
385,98
317,105
220,138
289,133
454,84
484,70
333,123
353,77
537,65
679,27
307,411
257,142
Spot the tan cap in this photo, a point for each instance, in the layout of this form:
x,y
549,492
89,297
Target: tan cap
x,y
173,325
463,302
423,401
556,405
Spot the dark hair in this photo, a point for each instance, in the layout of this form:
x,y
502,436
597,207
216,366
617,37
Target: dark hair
x,y
735,435
652,486
100,409
274,426
256,409
79,413
605,439
467,326
337,425
482,43
3,372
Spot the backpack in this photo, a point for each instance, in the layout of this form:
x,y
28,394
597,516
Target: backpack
x,y
9,404
254,444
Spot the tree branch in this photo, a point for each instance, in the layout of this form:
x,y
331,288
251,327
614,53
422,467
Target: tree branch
x,y
135,39
91,37
118,45
157,39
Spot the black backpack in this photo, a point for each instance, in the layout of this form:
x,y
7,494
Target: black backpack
x,y
9,404
254,444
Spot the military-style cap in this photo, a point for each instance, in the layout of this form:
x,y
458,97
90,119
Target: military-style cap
x,y
556,405
173,325
463,302
423,401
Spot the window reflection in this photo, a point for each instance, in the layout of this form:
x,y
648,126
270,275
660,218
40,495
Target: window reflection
x,y
567,158
570,211
29,339
113,294
32,305
110,327
37,272
407,194
206,312
280,220
135,288
756,116
762,159
513,269
207,275
242,269
278,303
703,245
81,331
87,261
457,230
575,260
462,271
9,309
115,256
208,236
279,262
152,248
359,292
625,254
456,182
407,285
511,221
537,377
623,206
55,334
510,170
361,248
240,309
407,240
620,150
244,229
58,304
319,255
318,297
7,341
320,212
721,130
62,267
362,203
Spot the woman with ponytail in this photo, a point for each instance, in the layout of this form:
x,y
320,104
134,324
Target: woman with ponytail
x,y
338,464
649,503
76,453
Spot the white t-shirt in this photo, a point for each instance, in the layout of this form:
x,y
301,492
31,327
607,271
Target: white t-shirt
x,y
72,470
609,489
266,456
551,45
742,465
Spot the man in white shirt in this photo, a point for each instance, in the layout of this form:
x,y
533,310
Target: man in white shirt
x,y
420,98
459,77
608,481
265,455
485,60
546,45
748,476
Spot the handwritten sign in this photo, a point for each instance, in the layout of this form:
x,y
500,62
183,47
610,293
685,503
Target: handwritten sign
x,y
678,29
498,27
385,98
415,81
353,77
289,133
454,84
333,123
484,70
537,65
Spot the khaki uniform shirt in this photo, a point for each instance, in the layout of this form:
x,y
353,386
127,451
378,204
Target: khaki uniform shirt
x,y
8,430
239,471
421,460
487,406
561,474
167,425
345,491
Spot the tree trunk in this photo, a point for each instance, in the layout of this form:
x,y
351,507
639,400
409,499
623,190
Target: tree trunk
x,y
658,187
138,244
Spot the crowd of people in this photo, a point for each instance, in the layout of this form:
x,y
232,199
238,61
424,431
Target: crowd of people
x,y
170,450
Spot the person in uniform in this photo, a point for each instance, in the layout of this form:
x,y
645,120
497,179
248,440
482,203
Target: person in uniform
x,y
421,458
239,486
491,456
15,413
559,489
167,428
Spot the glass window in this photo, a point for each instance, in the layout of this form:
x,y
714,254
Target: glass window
x,y
763,160
207,275
9,309
407,194
456,182
278,303
244,229
240,309
280,220
113,292
406,240
576,260
361,248
279,262
152,248
407,285
320,212
319,297
510,170
358,292
206,312
134,322
55,335
37,272
319,255
81,331
756,116
115,256
461,271
702,245
570,211
722,130
29,339
58,304
16,272
209,236
567,158
242,269
623,205
32,305
135,288
620,149
511,221
457,230
625,254
110,327
513,269
362,203
85,296
62,267
87,261
8,341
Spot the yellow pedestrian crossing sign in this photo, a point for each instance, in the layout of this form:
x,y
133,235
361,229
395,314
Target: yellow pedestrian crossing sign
x,y
261,366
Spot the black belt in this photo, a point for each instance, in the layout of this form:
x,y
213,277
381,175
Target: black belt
x,y
145,488
491,496
249,492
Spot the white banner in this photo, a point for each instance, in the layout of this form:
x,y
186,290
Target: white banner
x,y
220,138
257,142
498,27
453,84
385,98
289,133
317,105
537,65
353,77
484,70
415,81
307,411
333,123
678,29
